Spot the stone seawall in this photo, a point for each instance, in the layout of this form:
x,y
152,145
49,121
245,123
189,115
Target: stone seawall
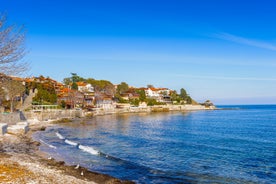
x,y
45,115
156,108
53,114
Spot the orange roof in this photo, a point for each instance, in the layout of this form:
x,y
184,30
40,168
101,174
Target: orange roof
x,y
17,78
158,89
81,83
66,90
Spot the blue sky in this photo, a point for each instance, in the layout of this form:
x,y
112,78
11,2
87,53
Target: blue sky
x,y
222,50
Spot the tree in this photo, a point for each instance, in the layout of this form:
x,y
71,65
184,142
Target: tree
x,y
150,86
46,92
122,88
12,48
183,93
175,97
189,100
74,86
142,95
73,80
67,81
102,87
14,90
76,78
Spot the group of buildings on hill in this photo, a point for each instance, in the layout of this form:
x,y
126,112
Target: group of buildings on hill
x,y
48,91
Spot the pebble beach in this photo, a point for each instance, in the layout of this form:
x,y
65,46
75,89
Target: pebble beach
x,y
22,162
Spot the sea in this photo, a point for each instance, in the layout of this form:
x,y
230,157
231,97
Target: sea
x,y
235,144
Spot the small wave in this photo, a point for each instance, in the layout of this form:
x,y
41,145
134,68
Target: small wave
x,y
71,142
60,136
49,145
89,150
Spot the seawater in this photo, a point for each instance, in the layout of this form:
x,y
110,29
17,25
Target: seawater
x,y
235,145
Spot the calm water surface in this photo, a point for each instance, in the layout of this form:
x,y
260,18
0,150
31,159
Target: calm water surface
x,y
237,145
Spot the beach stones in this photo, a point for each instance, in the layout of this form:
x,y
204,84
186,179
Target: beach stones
x,y
19,128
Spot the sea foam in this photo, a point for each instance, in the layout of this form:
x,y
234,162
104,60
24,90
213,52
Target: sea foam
x,y
71,142
49,145
60,136
89,150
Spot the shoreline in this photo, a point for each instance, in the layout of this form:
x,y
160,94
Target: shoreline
x,y
23,162
21,152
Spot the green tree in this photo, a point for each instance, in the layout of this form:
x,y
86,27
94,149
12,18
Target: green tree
x,y
46,93
63,104
151,102
175,97
142,95
189,100
67,81
90,80
135,102
73,79
122,88
74,86
102,87
183,93
150,86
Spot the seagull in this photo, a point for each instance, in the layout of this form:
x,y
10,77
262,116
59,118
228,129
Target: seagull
x,y
82,173
78,166
50,158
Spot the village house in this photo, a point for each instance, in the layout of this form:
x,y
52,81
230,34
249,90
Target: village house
x,y
71,98
88,93
159,94
129,95
85,87
105,102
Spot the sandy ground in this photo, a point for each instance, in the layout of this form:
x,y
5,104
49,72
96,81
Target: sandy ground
x,y
21,162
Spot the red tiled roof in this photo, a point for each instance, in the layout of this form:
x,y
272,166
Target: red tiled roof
x,y
81,83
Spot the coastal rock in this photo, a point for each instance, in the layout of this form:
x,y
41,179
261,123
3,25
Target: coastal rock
x,y
18,129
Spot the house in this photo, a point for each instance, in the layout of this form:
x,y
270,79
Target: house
x,y
88,92
130,95
84,87
71,98
105,102
160,94
89,100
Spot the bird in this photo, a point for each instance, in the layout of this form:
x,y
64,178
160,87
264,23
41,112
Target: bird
x,y
49,158
82,173
78,166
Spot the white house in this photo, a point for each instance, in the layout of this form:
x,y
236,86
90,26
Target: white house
x,y
84,87
157,93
